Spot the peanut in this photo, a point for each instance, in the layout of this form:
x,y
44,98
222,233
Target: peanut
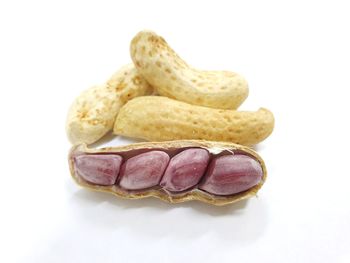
x,y
234,172
185,170
93,113
230,174
98,169
157,118
174,78
144,170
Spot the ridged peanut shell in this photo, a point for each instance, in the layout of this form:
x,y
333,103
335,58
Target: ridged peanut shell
x,y
93,112
172,77
156,118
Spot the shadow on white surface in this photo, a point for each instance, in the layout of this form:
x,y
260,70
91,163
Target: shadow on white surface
x,y
258,147
112,140
97,198
243,222
104,140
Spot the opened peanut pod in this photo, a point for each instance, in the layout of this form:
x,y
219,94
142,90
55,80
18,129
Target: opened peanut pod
x,y
196,143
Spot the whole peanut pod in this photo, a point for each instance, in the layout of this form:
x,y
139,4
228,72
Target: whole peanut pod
x,y
174,78
93,113
217,173
156,118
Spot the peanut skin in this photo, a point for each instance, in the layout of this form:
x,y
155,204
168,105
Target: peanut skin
x,y
185,170
231,174
235,172
93,113
144,170
174,78
98,169
156,118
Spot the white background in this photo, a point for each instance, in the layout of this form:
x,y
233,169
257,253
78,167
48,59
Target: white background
x,y
295,56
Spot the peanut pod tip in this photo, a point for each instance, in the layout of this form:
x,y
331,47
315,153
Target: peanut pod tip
x,y
217,173
93,112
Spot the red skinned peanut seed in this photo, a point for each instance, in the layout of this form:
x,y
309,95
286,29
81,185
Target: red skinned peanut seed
x,y
231,174
144,170
98,169
185,170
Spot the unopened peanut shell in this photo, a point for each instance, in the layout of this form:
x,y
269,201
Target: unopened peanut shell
x,y
93,112
156,118
174,78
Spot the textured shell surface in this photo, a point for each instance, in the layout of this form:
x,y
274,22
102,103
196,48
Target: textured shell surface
x,y
172,77
157,118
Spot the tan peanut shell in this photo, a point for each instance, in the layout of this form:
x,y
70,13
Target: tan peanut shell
x,y
93,113
174,78
195,194
156,118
